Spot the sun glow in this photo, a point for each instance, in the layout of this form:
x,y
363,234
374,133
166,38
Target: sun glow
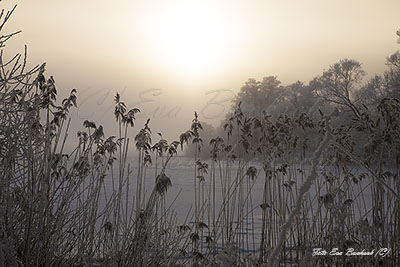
x,y
192,38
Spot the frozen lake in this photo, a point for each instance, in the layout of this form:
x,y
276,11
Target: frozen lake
x,y
180,196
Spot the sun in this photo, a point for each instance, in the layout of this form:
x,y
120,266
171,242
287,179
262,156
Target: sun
x,y
191,38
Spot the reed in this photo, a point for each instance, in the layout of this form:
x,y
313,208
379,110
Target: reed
x,y
90,206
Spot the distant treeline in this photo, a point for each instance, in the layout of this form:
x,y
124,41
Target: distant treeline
x,y
341,88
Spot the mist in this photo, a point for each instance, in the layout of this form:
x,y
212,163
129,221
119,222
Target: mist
x,y
101,49
199,133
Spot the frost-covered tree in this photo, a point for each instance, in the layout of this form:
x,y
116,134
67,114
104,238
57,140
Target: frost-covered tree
x,y
382,86
300,96
340,83
256,96
392,76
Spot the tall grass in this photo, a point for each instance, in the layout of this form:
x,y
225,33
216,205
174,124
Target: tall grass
x,y
89,207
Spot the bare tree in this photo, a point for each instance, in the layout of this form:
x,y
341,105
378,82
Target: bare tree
x,y
339,84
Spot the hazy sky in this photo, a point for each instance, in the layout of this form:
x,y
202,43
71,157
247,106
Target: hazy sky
x,y
176,55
